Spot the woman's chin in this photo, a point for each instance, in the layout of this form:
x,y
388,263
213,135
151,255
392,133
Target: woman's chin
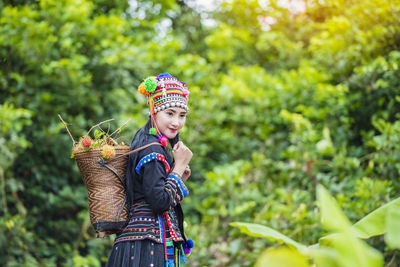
x,y
171,136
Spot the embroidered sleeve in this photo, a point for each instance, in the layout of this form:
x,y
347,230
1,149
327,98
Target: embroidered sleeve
x,y
162,191
150,157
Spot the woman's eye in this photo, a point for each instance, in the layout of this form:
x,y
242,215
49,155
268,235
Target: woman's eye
x,y
169,113
183,116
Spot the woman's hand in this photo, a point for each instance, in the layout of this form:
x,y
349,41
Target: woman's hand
x,y
182,156
186,173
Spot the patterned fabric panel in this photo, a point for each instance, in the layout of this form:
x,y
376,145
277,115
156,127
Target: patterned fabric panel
x,y
173,225
170,233
150,157
143,224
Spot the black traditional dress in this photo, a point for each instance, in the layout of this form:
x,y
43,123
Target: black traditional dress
x,y
154,235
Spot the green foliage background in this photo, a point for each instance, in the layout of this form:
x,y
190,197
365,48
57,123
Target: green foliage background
x,y
281,100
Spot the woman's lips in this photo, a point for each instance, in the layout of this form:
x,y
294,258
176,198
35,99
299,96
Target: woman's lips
x,y
172,130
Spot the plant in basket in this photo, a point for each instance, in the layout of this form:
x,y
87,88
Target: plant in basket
x,y
102,162
102,140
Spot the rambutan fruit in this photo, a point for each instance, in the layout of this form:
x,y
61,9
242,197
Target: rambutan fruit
x,y
86,142
108,152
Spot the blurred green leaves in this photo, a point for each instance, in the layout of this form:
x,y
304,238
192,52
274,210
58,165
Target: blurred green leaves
x,y
341,248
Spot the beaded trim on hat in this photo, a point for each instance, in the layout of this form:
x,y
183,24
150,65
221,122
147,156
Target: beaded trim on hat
x,y
170,101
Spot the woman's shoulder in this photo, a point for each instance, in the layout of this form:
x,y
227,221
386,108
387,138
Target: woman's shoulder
x,y
151,144
153,153
152,148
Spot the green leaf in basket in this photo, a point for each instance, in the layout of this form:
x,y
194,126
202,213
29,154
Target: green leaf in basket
x,y
98,134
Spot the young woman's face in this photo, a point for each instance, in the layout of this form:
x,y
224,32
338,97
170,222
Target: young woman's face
x,y
170,121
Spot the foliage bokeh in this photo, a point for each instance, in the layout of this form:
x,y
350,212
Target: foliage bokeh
x,y
283,98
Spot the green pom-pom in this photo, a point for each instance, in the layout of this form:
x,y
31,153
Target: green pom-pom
x,y
152,131
150,84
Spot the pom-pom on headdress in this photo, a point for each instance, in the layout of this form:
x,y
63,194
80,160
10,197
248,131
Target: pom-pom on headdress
x,y
164,91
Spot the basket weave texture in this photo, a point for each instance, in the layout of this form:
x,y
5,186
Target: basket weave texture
x,y
105,182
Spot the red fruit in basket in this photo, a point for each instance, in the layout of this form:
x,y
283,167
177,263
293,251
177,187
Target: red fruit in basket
x,y
86,142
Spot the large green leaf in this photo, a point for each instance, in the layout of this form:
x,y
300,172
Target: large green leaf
x,y
269,233
324,257
393,226
331,216
375,223
351,250
282,257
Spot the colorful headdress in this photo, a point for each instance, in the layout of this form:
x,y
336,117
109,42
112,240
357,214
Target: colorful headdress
x,y
164,91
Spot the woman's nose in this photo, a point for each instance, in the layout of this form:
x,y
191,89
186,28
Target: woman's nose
x,y
175,121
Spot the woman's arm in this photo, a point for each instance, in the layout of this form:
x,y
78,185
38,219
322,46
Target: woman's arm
x,y
162,192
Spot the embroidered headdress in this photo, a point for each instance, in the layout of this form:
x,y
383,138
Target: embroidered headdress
x,y
164,91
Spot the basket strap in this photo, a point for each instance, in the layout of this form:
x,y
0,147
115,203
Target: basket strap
x,y
102,163
133,151
105,163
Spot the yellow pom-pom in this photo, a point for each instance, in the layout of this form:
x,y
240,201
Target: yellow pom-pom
x,y
143,90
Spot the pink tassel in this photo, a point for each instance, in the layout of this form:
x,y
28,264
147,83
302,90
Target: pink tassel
x,y
163,140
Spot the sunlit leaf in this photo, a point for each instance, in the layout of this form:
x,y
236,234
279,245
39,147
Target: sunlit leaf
x,y
331,216
392,237
98,134
266,232
351,250
355,252
324,257
375,223
282,257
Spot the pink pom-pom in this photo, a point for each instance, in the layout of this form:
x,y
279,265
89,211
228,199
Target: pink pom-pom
x,y
163,140
185,92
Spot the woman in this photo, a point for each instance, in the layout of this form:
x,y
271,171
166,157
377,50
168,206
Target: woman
x,y
155,182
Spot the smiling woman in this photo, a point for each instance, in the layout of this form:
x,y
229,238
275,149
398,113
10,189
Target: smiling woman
x,y
171,121
155,182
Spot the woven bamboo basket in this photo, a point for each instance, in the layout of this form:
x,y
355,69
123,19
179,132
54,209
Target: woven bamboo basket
x,y
105,182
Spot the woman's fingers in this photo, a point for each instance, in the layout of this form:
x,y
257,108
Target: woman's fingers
x,y
187,169
182,154
186,173
176,146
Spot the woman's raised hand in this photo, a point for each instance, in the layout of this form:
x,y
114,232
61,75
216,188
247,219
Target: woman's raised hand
x,y
182,154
